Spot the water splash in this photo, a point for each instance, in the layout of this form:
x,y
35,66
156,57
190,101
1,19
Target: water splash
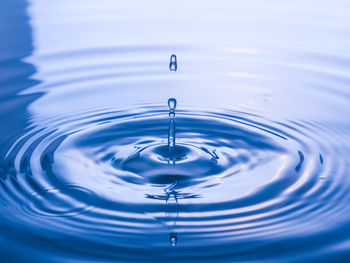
x,y
220,182
96,172
173,63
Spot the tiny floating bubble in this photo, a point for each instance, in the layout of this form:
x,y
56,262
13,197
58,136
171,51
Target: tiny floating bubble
x,y
173,63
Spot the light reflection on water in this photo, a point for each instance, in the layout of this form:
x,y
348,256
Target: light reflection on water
x,y
95,166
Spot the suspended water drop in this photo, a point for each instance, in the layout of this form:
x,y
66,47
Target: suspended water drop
x,y
173,63
172,107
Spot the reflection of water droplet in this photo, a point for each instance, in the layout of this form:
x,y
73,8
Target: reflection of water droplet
x,y
173,63
173,239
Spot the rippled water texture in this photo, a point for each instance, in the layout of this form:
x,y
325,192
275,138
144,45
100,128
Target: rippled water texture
x,y
247,162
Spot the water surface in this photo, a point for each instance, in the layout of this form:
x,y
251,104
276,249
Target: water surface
x,y
247,161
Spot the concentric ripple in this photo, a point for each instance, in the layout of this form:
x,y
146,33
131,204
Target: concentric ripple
x,y
235,180
253,167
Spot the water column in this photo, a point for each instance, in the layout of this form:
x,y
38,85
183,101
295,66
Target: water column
x,y
172,107
171,199
171,131
171,195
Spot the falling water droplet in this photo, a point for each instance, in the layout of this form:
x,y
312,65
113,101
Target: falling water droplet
x,y
173,63
172,107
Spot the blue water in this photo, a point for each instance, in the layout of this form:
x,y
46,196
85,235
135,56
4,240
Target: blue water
x,y
174,131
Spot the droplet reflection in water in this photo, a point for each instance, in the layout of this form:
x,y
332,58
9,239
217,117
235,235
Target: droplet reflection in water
x,y
173,239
